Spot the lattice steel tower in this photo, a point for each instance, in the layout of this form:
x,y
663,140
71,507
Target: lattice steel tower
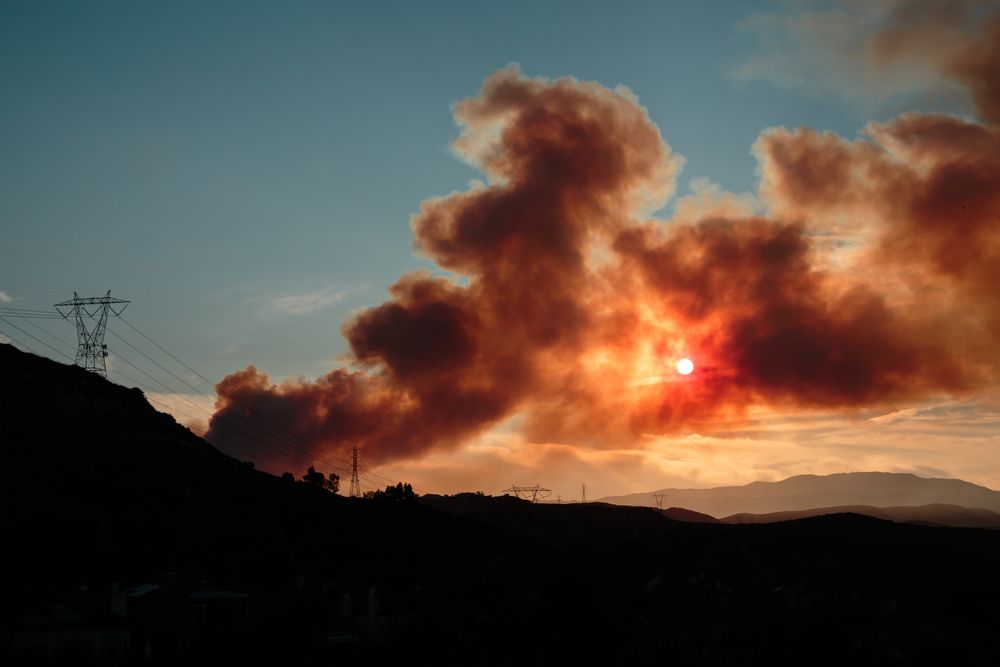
x,y
91,351
534,492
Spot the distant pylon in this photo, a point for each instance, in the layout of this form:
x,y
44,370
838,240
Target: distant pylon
x,y
659,500
535,492
583,493
355,482
91,352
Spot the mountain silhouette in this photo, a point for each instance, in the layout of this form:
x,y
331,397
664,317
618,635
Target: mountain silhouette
x,y
689,516
805,492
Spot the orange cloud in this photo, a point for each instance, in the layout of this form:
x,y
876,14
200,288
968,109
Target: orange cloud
x,y
569,297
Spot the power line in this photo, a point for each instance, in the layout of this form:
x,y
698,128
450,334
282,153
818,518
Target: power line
x,y
37,311
249,435
232,398
288,458
252,411
376,475
162,349
50,334
35,338
33,314
535,492
355,483
19,343
160,366
285,453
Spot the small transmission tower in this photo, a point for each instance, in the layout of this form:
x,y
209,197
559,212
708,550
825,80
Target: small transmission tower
x,y
355,482
91,351
534,492
658,497
583,493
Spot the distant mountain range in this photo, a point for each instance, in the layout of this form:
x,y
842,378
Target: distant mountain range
x,y
830,492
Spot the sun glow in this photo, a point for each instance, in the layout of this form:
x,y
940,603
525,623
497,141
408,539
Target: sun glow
x,y
685,366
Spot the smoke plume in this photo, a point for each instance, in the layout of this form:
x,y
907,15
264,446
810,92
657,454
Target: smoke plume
x,y
869,279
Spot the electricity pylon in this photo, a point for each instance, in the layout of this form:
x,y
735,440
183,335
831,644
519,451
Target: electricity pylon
x,y
91,351
355,482
535,492
658,497
583,493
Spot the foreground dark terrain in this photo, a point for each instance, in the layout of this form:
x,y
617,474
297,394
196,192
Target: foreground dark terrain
x,y
128,539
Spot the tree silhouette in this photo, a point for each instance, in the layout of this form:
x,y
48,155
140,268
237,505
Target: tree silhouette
x,y
332,483
399,493
313,476
329,482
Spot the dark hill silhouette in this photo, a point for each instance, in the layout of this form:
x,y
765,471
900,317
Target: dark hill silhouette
x,y
689,516
126,535
932,515
803,492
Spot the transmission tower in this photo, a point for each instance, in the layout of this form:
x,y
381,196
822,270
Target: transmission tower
x,y
658,497
355,482
583,493
91,352
534,492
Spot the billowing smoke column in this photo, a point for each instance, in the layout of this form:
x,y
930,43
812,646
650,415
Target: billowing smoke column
x,y
871,279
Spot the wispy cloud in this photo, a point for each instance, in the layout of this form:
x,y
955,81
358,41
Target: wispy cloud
x,y
302,304
5,298
868,53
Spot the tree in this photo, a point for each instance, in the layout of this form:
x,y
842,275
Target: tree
x,y
329,482
399,493
287,477
332,483
313,476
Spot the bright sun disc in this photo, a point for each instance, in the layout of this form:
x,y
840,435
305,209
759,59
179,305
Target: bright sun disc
x,y
685,366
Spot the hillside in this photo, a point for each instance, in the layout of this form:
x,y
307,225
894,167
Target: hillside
x,y
129,537
803,492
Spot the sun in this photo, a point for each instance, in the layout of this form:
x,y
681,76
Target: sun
x,y
685,366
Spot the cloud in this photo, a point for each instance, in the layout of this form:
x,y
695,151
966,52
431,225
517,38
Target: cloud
x,y
567,294
875,53
305,303
5,298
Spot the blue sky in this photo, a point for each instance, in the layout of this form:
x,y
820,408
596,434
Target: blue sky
x,y
207,159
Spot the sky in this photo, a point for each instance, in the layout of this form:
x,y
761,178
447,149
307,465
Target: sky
x,y
256,177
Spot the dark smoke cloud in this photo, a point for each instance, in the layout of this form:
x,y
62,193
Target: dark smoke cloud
x,y
574,305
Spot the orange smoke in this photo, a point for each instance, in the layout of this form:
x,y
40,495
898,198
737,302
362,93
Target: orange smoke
x,y
870,281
